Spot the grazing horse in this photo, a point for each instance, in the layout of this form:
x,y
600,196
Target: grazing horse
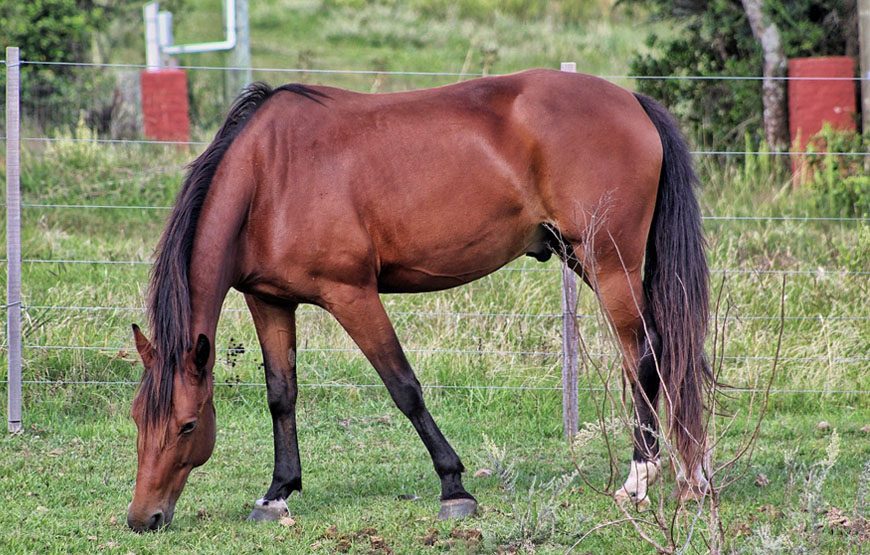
x,y
325,196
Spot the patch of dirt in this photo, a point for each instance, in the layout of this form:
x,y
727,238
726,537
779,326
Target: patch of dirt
x,y
471,538
344,541
741,529
838,520
770,511
430,537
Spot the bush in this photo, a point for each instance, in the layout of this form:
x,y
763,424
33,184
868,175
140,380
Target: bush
x,y
714,38
68,31
52,30
838,184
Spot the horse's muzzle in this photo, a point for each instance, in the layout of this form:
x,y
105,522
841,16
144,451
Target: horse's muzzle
x,y
149,522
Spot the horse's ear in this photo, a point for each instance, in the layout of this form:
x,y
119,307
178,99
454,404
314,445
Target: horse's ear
x,y
146,351
201,352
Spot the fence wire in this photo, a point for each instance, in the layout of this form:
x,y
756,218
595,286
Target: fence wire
x,y
444,314
818,272
204,143
341,385
443,73
712,218
474,352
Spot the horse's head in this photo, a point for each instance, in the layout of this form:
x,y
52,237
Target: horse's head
x,y
173,439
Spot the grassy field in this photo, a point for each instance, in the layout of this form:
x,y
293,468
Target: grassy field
x,y
65,482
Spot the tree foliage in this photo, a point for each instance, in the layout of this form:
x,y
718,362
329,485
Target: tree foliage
x,y
68,31
714,38
51,30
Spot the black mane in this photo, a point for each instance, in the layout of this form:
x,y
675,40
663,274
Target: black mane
x,y
168,292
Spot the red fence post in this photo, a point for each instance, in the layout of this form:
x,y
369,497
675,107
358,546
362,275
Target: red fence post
x,y
813,103
164,105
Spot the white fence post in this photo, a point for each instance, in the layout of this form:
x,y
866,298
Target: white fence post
x,y
13,237
240,56
570,338
152,36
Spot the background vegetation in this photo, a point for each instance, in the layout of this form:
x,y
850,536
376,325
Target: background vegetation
x,y
715,39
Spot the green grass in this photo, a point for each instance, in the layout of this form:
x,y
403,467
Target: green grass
x,y
67,480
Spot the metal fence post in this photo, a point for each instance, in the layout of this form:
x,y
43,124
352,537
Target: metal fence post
x,y
570,338
13,237
240,56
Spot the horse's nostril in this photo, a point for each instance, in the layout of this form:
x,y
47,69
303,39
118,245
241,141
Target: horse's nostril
x,y
156,521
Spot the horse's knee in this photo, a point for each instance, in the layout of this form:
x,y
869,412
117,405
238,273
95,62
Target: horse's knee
x,y
408,396
281,393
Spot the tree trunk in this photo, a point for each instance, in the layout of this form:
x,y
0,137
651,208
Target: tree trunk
x,y
772,90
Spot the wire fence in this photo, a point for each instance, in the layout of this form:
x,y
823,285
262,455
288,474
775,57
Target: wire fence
x,y
555,355
444,314
819,272
711,218
522,388
128,142
375,72
474,352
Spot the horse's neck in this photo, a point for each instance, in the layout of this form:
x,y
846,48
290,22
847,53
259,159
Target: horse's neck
x,y
213,261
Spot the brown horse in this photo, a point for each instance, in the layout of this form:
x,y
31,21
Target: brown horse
x,y
324,196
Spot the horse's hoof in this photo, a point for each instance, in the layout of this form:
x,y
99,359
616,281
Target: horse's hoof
x,y
457,508
623,497
265,511
693,492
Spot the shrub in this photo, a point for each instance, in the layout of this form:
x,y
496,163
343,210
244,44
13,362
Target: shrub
x,y
714,38
69,31
839,186
52,30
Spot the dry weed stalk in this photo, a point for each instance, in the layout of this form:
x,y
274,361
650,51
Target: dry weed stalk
x,y
668,527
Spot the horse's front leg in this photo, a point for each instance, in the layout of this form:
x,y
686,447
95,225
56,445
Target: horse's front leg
x,y
360,312
276,330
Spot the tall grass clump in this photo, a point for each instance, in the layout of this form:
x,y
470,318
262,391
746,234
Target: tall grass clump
x,y
534,511
838,184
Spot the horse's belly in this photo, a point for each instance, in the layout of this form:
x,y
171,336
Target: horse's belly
x,y
453,264
422,280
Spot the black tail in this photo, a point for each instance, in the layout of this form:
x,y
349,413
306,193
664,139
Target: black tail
x,y
676,287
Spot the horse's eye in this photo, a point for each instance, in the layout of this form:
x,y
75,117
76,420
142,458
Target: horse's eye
x,y
187,428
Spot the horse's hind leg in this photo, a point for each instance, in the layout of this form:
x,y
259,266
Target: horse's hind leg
x,y
276,330
362,315
621,295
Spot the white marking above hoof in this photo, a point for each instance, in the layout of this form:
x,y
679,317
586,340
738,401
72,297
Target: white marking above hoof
x,y
641,475
264,510
695,487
